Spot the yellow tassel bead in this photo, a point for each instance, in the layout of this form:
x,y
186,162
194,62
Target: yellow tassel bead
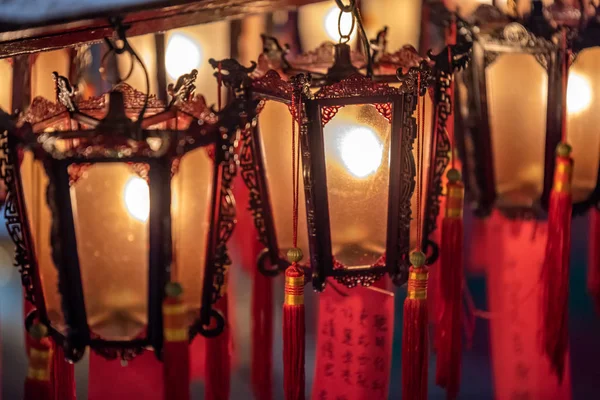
x,y
38,331
173,289
294,255
453,175
563,149
417,259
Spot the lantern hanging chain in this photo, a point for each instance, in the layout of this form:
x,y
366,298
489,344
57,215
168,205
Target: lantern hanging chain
x,y
354,12
420,166
120,46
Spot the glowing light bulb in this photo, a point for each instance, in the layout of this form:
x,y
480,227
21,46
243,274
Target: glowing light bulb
x,y
331,24
182,55
137,198
579,94
361,151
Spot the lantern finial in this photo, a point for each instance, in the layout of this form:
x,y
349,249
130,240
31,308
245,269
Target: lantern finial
x,y
563,149
453,175
417,259
173,289
38,331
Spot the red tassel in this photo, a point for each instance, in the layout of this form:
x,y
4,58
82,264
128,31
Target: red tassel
x,y
555,271
176,356
262,336
415,335
37,383
218,360
448,332
293,329
593,279
63,375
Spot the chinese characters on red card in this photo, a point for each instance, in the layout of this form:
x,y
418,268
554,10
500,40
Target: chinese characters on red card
x,y
354,343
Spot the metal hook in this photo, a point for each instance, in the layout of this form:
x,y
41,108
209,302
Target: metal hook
x,y
120,46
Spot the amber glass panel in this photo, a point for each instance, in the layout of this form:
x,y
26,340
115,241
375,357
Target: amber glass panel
x,y
517,87
190,213
357,148
35,183
110,209
583,121
428,113
275,123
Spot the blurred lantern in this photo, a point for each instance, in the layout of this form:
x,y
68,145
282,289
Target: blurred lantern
x,y
509,132
113,198
517,136
356,134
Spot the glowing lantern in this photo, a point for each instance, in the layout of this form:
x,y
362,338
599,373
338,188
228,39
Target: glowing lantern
x,y
356,143
511,110
115,197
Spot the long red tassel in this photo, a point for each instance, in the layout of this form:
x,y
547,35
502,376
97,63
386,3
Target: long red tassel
x,y
37,383
63,375
555,271
593,278
415,335
293,329
176,356
448,332
218,360
262,336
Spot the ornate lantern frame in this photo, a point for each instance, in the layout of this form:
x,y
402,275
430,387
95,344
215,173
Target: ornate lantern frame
x,y
538,38
475,132
267,84
587,38
397,104
115,138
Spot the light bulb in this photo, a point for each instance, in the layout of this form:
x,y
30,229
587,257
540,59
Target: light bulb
x,y
331,23
137,198
182,55
579,94
361,151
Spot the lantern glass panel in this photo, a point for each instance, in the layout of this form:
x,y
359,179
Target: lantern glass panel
x,y
517,91
275,122
357,151
583,120
110,210
191,196
35,182
429,111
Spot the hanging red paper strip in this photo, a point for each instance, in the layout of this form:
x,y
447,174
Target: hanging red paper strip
x,y
354,343
140,379
515,256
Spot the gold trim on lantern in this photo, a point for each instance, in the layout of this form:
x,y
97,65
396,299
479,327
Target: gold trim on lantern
x,y
173,309
176,335
293,299
417,285
418,276
417,294
454,201
39,364
295,281
42,374
562,176
294,290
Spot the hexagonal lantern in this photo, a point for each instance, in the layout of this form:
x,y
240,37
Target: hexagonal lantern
x,y
111,198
